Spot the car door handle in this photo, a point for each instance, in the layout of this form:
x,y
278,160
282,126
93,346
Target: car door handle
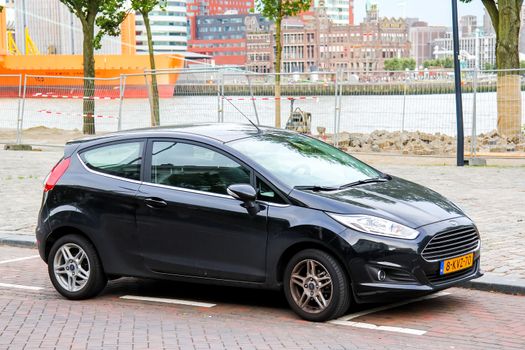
x,y
155,203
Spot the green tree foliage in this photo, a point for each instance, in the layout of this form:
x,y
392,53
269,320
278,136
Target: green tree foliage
x,y
398,64
144,7
276,10
447,62
489,66
107,15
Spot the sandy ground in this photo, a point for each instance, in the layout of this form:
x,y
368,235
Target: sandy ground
x,y
40,135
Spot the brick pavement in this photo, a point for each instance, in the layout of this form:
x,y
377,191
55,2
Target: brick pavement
x,y
242,319
493,196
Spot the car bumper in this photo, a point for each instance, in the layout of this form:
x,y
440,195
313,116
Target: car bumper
x,y
383,269
41,232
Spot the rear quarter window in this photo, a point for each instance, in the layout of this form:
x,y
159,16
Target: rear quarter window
x,y
121,159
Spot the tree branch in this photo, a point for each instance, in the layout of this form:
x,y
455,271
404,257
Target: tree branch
x,y
493,11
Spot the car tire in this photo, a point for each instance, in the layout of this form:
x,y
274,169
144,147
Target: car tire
x,y
316,286
75,268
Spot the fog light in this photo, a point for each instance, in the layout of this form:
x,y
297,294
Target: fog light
x,y
381,275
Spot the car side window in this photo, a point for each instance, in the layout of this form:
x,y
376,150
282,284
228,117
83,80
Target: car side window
x,y
267,194
194,167
121,159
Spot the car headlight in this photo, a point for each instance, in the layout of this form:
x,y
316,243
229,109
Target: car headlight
x,y
376,226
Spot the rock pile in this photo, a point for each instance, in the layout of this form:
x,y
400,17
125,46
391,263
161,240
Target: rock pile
x,y
420,143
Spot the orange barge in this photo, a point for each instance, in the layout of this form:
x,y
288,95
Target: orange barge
x,y
46,67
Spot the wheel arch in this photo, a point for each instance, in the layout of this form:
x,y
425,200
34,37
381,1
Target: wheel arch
x,y
62,231
287,255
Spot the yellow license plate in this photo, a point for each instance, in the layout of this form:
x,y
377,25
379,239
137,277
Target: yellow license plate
x,y
456,264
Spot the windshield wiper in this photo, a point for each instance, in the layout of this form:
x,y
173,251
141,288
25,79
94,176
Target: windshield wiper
x,y
362,182
316,188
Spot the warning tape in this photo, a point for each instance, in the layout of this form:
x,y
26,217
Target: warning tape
x,y
48,112
51,95
271,98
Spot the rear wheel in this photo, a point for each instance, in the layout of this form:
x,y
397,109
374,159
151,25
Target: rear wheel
x,y
316,286
75,268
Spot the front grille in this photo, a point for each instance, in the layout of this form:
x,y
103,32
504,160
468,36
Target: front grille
x,y
436,278
451,243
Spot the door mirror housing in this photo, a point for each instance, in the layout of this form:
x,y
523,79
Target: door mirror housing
x,y
247,194
242,192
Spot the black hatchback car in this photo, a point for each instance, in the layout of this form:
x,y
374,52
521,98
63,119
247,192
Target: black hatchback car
x,y
239,205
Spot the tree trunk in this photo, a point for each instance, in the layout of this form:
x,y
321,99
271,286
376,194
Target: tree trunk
x,y
88,108
154,105
278,54
507,59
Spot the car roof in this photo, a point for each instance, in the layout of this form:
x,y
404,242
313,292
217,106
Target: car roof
x,y
222,132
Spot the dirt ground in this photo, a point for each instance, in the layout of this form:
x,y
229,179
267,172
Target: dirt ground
x,y
42,136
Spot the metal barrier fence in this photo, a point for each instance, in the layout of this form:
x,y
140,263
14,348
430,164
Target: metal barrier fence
x,y
10,94
65,103
254,96
185,96
372,111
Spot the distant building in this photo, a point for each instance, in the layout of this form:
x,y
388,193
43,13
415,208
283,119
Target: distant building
x,y
259,48
421,37
480,50
169,28
468,25
196,8
315,43
224,36
488,28
339,11
54,29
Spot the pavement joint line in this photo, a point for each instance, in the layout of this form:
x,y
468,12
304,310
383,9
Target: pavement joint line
x,y
19,259
379,328
168,301
18,286
347,318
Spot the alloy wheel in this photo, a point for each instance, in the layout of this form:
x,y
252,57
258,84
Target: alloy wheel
x,y
71,267
311,286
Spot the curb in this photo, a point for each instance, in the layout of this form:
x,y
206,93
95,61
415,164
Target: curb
x,y
489,282
18,240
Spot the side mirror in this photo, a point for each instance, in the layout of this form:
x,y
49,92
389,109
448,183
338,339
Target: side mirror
x,y
242,192
247,194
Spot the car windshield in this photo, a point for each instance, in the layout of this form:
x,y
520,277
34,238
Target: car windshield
x,y
298,160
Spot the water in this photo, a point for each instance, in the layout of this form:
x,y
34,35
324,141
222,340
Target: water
x,y
364,114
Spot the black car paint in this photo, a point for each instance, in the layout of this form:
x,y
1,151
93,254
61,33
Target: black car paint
x,y
137,239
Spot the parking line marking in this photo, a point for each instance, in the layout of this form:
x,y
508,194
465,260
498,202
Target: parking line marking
x,y
168,301
18,286
390,306
19,259
380,328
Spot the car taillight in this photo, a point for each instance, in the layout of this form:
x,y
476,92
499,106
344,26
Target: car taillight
x,y
56,174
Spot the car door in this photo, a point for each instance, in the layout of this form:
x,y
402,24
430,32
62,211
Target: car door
x,y
105,194
188,224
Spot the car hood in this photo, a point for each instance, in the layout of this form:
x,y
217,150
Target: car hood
x,y
398,200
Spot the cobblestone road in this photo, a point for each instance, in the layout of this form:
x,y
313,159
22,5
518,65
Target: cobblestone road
x,y
241,319
493,196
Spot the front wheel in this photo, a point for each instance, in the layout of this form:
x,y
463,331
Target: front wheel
x,y
75,268
316,286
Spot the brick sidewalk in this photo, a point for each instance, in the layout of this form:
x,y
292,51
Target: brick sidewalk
x,y
241,319
494,197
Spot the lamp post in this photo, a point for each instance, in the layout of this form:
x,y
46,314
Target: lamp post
x,y
460,156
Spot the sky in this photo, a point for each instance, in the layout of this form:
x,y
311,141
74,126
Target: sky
x,y
435,12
